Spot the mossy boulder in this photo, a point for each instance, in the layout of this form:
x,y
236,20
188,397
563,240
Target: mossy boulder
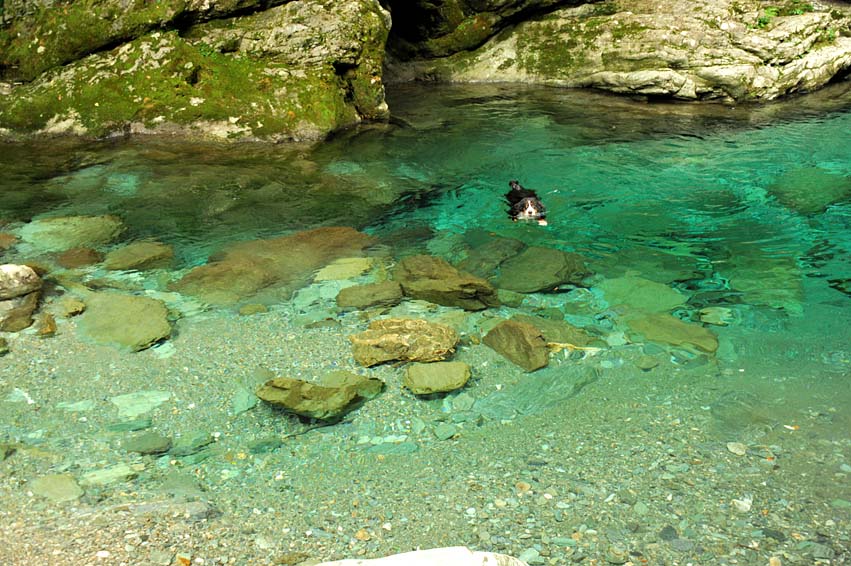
x,y
291,72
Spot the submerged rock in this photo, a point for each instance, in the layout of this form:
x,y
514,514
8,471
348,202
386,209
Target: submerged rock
x,y
127,322
488,253
7,241
241,270
147,443
519,342
344,268
139,256
556,330
409,340
65,232
641,294
79,257
539,269
436,377
433,279
132,405
334,395
58,488
810,190
671,330
17,313
383,294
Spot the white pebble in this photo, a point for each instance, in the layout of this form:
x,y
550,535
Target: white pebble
x,y
737,448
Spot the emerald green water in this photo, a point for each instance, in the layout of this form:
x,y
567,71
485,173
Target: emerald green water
x,y
744,211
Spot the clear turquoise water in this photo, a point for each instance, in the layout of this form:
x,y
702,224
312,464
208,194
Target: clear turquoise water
x,y
744,209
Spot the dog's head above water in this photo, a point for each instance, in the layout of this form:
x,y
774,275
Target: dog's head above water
x,y
524,204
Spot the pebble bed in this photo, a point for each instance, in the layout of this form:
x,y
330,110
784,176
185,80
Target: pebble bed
x,y
708,463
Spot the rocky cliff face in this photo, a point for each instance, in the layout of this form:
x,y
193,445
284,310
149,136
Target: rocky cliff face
x,y
299,69
724,49
227,68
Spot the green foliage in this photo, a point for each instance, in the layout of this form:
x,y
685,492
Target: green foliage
x,y
790,8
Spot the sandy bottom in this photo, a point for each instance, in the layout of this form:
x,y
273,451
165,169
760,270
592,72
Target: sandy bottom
x,y
635,468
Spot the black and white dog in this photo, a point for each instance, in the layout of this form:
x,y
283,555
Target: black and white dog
x,y
524,204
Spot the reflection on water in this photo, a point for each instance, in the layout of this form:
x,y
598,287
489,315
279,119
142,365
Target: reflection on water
x,y
719,240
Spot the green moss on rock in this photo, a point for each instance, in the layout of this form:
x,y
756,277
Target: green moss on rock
x,y
161,79
297,71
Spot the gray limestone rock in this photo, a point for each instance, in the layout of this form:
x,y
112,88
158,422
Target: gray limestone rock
x,y
733,50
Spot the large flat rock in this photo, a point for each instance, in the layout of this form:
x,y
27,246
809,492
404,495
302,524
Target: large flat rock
x,y
540,269
241,270
127,322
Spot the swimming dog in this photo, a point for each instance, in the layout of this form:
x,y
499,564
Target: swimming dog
x,y
524,204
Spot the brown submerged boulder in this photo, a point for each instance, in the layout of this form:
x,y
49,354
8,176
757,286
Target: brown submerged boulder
x,y
519,342
241,270
333,396
383,294
435,280
139,256
408,340
436,377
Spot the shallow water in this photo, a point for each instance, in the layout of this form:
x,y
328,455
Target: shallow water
x,y
744,211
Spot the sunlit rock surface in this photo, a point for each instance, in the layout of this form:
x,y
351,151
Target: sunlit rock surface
x,y
731,50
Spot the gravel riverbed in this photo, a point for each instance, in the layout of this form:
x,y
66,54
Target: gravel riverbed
x,y
682,464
